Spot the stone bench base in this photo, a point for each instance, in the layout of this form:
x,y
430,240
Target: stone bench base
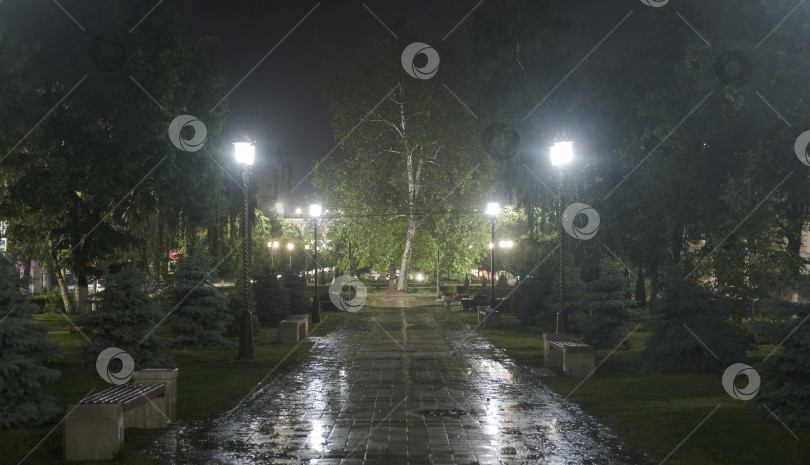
x,y
489,318
574,358
292,330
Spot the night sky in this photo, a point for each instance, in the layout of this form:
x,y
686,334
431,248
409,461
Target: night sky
x,y
286,88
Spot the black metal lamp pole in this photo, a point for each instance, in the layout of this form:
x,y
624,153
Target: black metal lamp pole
x,y
316,310
492,267
562,316
246,322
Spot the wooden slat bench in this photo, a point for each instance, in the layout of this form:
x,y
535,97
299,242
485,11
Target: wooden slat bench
x,y
575,358
293,329
94,427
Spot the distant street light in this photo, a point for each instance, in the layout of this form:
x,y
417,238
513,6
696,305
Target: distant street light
x,y
272,245
314,213
306,262
244,152
492,210
290,247
561,155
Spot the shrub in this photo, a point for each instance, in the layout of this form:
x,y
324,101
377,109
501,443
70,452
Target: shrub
x,y
199,312
272,300
607,309
685,307
786,375
125,315
296,288
502,281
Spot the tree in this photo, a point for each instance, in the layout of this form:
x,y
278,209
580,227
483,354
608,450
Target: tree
x,y
607,308
295,286
125,319
786,375
692,333
198,311
272,300
414,147
102,157
26,350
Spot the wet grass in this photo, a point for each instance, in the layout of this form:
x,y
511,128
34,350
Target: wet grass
x,y
653,413
209,383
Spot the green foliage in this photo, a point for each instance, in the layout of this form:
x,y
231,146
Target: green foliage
x,y
25,352
607,309
296,288
686,308
529,297
503,281
575,292
272,299
198,311
126,315
54,303
786,375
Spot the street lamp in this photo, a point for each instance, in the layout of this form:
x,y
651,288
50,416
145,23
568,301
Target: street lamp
x,y
492,210
244,152
561,154
290,249
306,262
272,245
314,213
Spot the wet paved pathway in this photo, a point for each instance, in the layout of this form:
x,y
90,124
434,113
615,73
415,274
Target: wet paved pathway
x,y
399,386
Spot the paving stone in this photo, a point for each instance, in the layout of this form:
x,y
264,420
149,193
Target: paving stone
x,y
448,397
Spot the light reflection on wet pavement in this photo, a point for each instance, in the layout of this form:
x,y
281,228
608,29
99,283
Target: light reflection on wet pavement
x,y
428,392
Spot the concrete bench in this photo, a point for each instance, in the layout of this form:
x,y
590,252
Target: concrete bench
x,y
489,317
574,358
94,427
293,329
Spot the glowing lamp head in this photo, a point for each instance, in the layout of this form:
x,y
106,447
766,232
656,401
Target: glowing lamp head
x,y
562,152
244,152
492,209
315,210
290,245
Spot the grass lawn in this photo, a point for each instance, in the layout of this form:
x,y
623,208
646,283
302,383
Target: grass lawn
x,y
209,383
653,413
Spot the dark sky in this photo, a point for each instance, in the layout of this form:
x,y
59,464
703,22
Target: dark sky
x,y
286,87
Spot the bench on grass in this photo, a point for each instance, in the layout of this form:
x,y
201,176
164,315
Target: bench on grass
x,y
488,317
94,427
293,329
574,358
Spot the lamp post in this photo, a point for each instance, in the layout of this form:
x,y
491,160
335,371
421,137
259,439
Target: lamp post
x,y
561,154
289,251
272,245
306,262
244,152
315,212
492,210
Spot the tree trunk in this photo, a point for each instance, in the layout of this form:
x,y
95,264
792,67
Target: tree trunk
x,y
402,284
80,293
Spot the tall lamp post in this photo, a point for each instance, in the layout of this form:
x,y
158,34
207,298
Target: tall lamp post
x,y
272,245
306,262
492,210
244,152
289,251
315,212
561,154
